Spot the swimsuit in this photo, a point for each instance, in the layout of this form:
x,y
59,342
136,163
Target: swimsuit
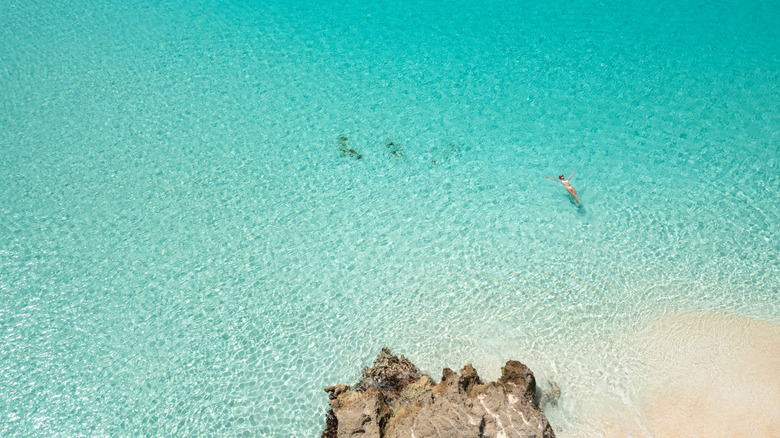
x,y
571,190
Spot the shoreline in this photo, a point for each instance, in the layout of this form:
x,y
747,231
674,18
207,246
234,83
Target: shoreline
x,y
702,374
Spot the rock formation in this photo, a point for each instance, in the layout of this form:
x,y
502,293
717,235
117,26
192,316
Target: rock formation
x,y
394,400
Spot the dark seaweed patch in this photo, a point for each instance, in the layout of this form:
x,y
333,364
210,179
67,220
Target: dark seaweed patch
x,y
345,150
396,149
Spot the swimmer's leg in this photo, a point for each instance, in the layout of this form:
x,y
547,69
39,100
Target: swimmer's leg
x,y
574,197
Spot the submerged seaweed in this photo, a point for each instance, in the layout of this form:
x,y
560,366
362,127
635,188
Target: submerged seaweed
x,y
396,149
345,150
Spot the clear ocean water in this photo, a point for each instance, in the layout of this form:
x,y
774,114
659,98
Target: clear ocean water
x,y
190,246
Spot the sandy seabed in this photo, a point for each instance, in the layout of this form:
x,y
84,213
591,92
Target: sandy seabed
x,y
713,375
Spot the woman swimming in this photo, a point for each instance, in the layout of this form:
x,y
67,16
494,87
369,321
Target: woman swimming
x,y
568,186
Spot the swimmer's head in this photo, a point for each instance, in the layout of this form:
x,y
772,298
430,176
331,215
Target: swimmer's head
x,y
560,176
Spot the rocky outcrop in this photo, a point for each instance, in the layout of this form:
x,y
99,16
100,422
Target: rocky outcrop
x,y
394,400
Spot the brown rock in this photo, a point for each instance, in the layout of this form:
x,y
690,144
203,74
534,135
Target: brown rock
x,y
390,373
394,400
361,414
336,390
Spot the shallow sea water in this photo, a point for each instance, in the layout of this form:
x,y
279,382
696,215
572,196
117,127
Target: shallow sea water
x,y
185,249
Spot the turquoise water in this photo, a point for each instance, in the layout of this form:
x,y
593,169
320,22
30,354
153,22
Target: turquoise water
x,y
184,249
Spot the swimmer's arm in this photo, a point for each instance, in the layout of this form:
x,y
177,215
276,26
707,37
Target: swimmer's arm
x,y
556,180
572,174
